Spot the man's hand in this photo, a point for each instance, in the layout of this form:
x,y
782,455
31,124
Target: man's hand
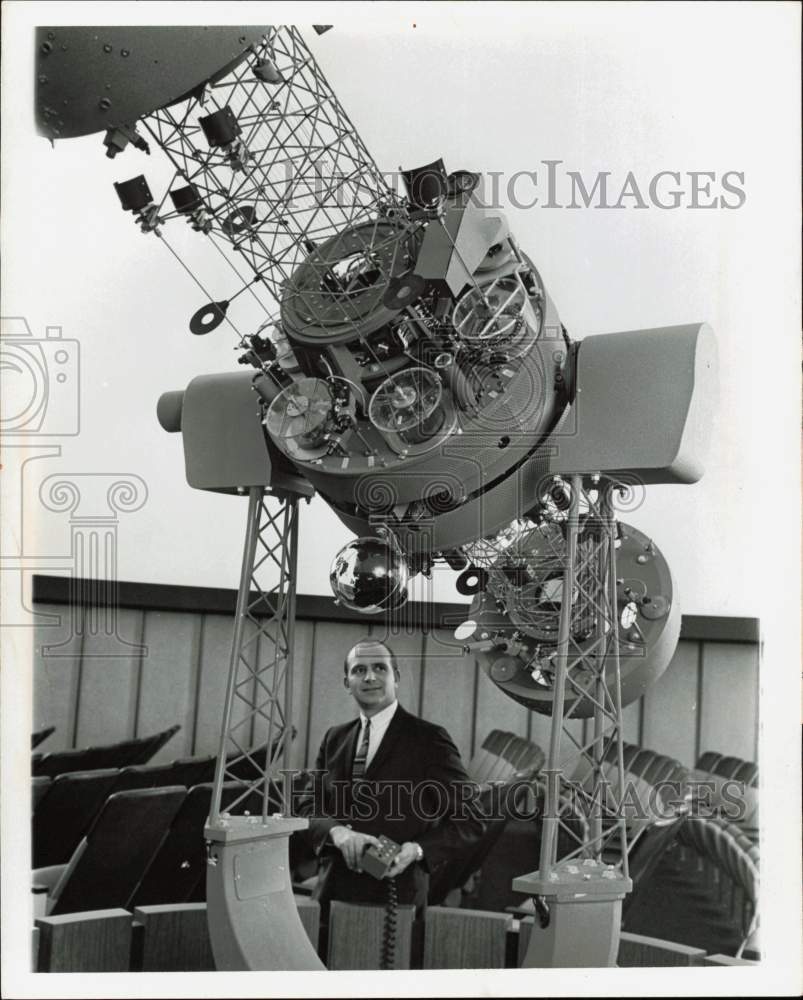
x,y
351,844
408,853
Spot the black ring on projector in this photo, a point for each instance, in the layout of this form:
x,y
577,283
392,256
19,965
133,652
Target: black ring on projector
x,y
238,221
462,182
403,290
469,589
208,317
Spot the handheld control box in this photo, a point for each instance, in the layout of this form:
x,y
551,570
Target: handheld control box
x,y
378,858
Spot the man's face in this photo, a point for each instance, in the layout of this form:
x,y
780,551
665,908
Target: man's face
x,y
371,679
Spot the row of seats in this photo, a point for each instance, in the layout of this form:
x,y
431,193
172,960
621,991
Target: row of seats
x,y
124,753
65,806
728,787
145,846
729,767
726,858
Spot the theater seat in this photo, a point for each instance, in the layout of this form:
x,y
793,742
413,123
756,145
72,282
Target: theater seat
x,y
117,755
65,813
187,771
180,860
41,736
724,848
111,859
728,787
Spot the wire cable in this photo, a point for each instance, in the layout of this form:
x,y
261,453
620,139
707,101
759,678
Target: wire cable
x,y
388,957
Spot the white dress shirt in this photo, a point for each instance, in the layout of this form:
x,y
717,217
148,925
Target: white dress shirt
x,y
379,725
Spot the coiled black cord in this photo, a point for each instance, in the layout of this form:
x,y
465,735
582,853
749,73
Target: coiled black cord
x,y
388,958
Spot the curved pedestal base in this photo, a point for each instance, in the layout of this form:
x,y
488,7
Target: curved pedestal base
x,y
253,919
585,916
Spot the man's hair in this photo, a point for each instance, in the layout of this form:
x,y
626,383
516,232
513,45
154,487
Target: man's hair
x,y
368,641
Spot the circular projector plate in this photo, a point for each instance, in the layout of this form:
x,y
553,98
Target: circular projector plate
x,y
336,294
300,413
405,400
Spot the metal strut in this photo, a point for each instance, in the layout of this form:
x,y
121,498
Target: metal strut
x,y
252,915
579,896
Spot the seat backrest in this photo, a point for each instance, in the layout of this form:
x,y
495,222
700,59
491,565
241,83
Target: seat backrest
x,y
117,755
41,736
153,744
729,767
188,772
723,844
732,798
39,786
119,845
180,861
504,756
66,812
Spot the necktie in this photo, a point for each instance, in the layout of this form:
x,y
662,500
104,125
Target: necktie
x,y
358,768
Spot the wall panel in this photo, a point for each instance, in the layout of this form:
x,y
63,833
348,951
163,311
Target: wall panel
x,y
729,707
100,698
169,678
215,648
670,707
304,648
495,710
107,697
448,697
56,678
328,702
632,721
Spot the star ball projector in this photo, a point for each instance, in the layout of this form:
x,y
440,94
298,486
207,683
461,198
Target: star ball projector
x,y
436,403
412,368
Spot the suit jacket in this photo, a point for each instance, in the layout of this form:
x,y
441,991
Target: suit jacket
x,y
415,789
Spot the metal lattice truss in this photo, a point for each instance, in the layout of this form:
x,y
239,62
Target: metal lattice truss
x,y
297,174
587,671
256,733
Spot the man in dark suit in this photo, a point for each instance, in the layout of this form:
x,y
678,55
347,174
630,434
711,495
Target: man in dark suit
x,y
387,772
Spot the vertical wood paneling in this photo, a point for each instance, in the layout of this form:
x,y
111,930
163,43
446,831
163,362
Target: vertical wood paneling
x,y
496,711
729,699
167,691
108,687
104,697
329,702
302,667
631,721
449,689
55,678
670,707
213,674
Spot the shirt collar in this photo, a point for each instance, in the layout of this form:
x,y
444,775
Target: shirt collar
x,y
381,718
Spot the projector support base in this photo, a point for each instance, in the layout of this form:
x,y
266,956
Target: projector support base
x,y
253,918
581,914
